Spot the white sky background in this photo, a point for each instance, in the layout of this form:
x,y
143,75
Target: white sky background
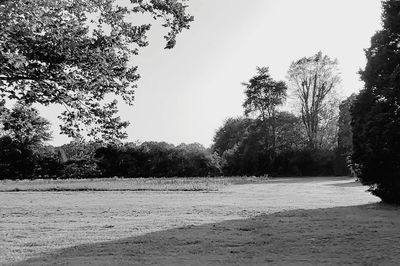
x,y
186,93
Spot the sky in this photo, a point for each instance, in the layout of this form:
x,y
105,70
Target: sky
x,y
185,94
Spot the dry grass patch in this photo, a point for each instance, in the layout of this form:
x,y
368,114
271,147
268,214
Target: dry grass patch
x,y
126,184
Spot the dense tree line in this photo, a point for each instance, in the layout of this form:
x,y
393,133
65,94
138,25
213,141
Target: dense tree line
x,y
149,159
24,155
157,159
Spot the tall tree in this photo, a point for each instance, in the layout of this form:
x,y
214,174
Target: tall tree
x,y
375,113
75,53
314,79
263,96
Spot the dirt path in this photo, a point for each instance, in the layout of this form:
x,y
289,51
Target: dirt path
x,y
36,224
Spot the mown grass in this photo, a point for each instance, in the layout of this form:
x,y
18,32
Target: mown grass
x,y
126,184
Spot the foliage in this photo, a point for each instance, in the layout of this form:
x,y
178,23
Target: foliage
x,y
78,150
329,127
263,96
306,162
375,113
282,143
24,125
289,132
16,160
244,151
22,154
314,80
48,163
79,169
157,159
345,136
75,53
230,133
80,161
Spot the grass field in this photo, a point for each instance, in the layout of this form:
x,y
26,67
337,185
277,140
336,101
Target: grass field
x,y
125,184
280,220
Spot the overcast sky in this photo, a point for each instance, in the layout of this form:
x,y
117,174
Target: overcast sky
x,y
186,93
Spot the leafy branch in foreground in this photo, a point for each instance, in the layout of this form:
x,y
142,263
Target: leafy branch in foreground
x,y
76,53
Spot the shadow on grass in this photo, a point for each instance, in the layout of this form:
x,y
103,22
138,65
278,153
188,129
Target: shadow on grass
x,y
361,235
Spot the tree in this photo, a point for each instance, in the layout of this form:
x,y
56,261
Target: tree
x,y
263,96
314,79
289,133
3,114
24,125
21,144
328,124
76,53
375,112
230,134
240,142
345,135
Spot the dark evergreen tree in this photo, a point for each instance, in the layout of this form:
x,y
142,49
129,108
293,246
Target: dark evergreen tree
x,y
376,111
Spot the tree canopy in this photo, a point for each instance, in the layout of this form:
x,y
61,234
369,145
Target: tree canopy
x,y
76,53
263,96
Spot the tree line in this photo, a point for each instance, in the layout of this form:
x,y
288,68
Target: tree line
x,y
265,141
24,154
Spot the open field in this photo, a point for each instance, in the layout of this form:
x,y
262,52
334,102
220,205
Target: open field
x,y
248,223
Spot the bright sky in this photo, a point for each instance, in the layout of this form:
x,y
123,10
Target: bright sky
x,y
186,93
